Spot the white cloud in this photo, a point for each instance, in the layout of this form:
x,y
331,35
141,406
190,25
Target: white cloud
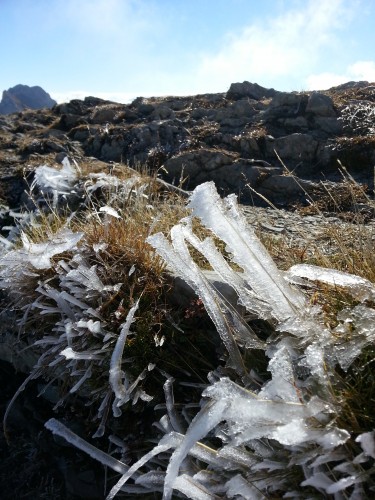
x,y
105,17
286,46
98,15
363,70
92,28
360,70
322,81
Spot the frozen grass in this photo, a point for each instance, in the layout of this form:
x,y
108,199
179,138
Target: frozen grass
x,y
267,398
74,277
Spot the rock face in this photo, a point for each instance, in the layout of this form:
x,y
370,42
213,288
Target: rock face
x,y
248,140
23,97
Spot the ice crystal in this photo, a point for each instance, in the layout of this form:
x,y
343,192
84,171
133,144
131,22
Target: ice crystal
x,y
59,181
39,255
110,211
367,441
360,288
261,274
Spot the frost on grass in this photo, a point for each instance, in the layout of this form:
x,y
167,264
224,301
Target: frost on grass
x,y
39,255
359,117
79,344
255,433
62,300
57,182
33,258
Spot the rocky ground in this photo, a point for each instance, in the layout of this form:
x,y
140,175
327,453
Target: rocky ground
x,y
288,148
248,136
32,464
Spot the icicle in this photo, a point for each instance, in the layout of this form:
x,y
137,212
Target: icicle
x,y
224,219
69,298
342,484
61,430
367,442
320,481
234,279
116,359
192,489
85,376
7,244
282,384
238,486
103,414
33,375
202,423
169,399
361,320
40,254
360,288
70,354
246,297
152,480
238,456
92,326
50,179
180,261
85,276
165,444
133,386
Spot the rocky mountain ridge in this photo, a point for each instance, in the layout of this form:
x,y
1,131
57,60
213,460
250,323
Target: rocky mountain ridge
x,y
22,97
249,140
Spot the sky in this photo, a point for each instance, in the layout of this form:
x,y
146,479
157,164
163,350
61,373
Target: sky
x,y
123,49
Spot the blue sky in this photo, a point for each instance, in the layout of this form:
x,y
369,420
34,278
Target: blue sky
x,y
121,49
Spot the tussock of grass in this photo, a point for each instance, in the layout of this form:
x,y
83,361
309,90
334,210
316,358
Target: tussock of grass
x,y
114,247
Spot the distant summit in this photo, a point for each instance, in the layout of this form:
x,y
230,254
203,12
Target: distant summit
x,y
23,97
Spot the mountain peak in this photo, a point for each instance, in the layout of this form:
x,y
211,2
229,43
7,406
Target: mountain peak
x,y
22,97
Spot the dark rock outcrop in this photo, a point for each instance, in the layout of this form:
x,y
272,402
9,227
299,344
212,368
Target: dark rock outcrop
x,y
247,89
250,138
23,97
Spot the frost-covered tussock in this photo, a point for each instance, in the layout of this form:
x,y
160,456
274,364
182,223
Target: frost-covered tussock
x,y
257,434
79,344
272,418
359,117
73,315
